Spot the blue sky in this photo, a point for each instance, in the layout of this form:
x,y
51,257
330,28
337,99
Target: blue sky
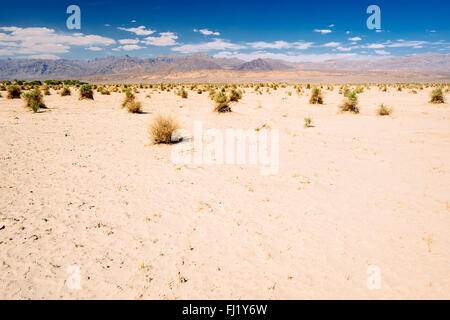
x,y
288,30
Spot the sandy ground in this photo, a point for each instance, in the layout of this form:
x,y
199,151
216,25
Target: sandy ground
x,y
80,184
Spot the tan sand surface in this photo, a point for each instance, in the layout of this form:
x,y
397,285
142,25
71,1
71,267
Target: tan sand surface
x,y
81,184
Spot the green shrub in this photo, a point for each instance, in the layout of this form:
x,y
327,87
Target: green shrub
x,y
33,100
130,103
86,92
183,93
437,96
316,96
235,95
308,122
350,104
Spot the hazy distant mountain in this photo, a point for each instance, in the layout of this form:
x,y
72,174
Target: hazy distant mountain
x,y
63,68
262,65
429,62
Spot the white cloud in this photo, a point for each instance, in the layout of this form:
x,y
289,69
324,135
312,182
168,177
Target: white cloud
x,y
402,43
207,32
343,49
140,31
375,46
42,56
331,26
94,49
269,45
44,41
128,47
129,41
133,21
332,44
347,32
300,45
355,39
164,39
322,31
216,44
382,52
107,25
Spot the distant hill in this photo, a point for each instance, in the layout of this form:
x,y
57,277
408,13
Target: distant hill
x,y
262,65
429,62
63,68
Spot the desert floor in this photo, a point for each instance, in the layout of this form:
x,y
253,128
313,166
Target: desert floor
x,y
81,184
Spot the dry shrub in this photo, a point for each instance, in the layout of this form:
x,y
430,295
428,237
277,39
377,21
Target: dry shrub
x,y
65,92
86,92
437,96
350,104
183,93
34,100
129,97
383,110
134,107
316,96
130,103
14,92
162,128
222,103
308,122
235,95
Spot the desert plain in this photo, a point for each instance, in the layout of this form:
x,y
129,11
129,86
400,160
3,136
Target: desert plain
x,y
82,187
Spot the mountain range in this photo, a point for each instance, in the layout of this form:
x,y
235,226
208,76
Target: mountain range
x,y
63,68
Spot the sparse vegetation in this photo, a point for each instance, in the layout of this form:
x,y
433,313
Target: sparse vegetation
x,y
350,104
162,128
130,102
222,103
86,92
235,95
383,110
437,96
308,122
65,92
183,93
14,92
316,96
34,100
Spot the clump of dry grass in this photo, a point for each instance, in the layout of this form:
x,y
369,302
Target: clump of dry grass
x,y
383,110
162,128
350,104
183,93
103,91
222,103
34,100
437,96
14,92
130,102
308,122
316,96
86,92
65,92
235,95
